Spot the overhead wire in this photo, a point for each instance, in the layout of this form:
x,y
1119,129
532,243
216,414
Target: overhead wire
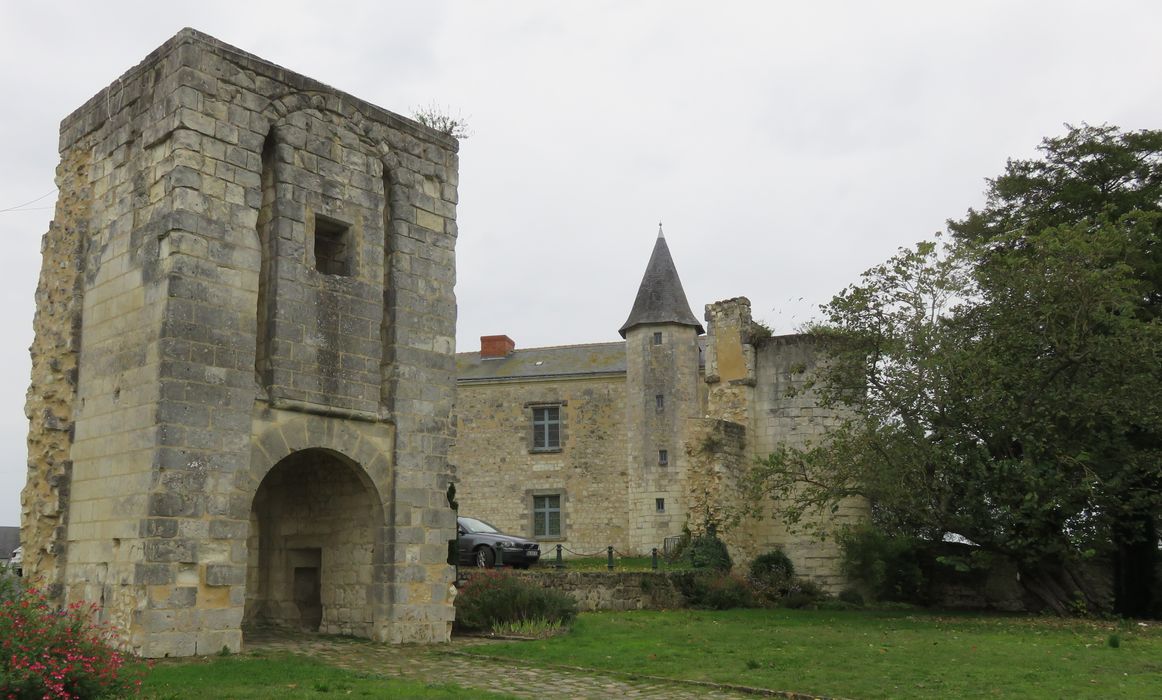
x,y
21,207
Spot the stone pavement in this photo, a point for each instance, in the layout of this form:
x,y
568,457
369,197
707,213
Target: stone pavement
x,y
449,664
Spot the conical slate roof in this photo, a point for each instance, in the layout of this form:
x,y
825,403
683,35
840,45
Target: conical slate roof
x,y
660,298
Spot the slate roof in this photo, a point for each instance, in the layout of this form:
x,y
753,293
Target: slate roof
x,y
9,540
660,298
564,361
554,362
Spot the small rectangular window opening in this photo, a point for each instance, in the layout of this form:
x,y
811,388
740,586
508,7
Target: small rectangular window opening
x,y
660,505
332,254
663,457
660,402
658,338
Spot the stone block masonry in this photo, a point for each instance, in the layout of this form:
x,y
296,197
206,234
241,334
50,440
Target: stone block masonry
x,y
243,366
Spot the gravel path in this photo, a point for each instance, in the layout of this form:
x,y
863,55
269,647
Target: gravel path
x,y
449,664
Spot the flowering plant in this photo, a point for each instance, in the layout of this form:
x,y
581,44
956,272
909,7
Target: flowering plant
x,y
52,653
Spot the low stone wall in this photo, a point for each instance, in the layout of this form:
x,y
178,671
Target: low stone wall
x,y
600,590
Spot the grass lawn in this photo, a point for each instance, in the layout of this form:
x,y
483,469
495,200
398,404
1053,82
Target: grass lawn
x,y
860,654
281,676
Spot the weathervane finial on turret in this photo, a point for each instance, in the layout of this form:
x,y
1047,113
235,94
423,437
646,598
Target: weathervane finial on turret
x,y
660,230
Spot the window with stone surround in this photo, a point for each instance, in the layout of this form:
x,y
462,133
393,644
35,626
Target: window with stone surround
x,y
660,505
663,457
657,338
548,427
547,516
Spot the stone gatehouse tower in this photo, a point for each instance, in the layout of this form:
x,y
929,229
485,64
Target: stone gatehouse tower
x,y
243,366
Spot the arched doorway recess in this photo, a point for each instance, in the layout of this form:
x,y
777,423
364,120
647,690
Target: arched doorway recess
x,y
315,546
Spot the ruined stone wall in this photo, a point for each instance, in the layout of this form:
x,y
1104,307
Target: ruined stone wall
x,y
192,194
756,401
52,389
600,590
108,316
785,413
730,360
718,456
498,473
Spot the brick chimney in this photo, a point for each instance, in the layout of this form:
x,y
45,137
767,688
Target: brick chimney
x,y
496,346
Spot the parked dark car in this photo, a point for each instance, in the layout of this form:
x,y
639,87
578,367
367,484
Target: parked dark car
x,y
480,542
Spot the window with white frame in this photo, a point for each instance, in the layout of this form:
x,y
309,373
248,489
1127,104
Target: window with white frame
x,y
547,515
546,428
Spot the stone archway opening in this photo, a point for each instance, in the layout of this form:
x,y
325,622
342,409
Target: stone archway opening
x,y
315,547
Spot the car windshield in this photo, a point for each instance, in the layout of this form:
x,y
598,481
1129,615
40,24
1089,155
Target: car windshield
x,y
473,525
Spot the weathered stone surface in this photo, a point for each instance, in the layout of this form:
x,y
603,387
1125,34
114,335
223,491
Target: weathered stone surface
x,y
236,275
598,590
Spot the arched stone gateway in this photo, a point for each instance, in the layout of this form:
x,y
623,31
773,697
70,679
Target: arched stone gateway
x,y
315,550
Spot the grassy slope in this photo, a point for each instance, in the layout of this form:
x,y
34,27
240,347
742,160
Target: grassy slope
x,y
867,655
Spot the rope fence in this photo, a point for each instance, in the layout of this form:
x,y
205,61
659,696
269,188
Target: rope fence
x,y
609,553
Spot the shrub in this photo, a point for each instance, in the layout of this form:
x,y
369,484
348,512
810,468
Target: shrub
x,y
493,600
772,573
803,593
852,597
46,652
890,567
714,590
708,552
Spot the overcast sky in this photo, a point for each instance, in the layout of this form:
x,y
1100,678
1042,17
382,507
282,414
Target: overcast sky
x,y
786,147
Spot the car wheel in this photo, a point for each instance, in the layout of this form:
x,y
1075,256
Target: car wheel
x,y
485,558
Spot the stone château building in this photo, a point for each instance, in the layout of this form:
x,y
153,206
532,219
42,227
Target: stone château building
x,y
627,443
243,364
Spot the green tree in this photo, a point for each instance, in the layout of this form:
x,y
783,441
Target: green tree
x,y
1090,175
1095,177
1004,387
